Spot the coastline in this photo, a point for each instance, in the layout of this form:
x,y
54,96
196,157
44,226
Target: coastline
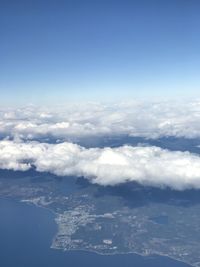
x,y
91,250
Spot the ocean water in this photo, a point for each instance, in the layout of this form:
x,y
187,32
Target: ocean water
x,y
26,232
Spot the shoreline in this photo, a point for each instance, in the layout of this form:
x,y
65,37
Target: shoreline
x,y
90,250
122,253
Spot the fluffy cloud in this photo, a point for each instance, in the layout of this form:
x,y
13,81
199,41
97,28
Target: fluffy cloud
x,y
105,166
148,120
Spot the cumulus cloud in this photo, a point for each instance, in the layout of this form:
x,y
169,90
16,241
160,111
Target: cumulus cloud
x,y
148,120
147,165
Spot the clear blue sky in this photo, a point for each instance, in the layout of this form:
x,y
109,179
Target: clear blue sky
x,y
56,51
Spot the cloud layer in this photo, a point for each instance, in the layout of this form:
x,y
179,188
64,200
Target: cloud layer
x,y
148,120
105,166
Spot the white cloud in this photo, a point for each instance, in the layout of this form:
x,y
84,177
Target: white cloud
x,y
107,166
149,120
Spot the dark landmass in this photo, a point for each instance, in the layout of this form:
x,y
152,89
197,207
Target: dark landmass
x,y
109,220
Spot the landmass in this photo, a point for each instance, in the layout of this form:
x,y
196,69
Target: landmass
x,y
110,220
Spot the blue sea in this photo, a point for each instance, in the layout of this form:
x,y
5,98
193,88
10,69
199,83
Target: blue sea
x,y
26,232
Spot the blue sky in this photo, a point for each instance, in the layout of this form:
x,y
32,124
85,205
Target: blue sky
x,y
59,51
